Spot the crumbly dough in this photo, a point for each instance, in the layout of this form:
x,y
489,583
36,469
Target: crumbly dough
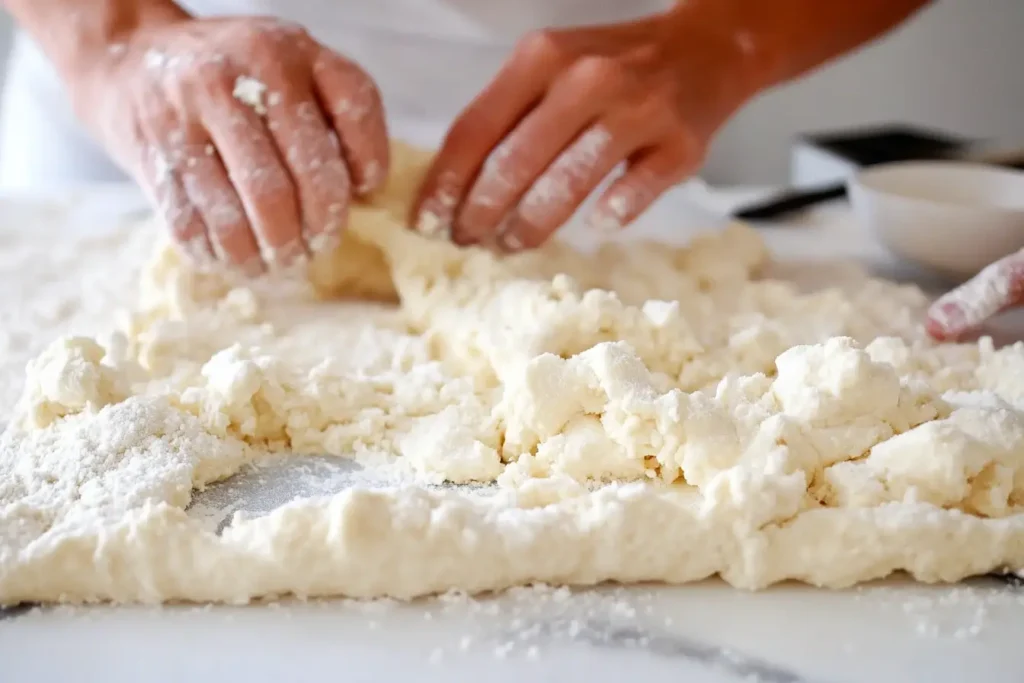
x,y
644,413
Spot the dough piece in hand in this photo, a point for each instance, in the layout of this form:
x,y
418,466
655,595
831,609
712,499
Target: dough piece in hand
x,y
357,267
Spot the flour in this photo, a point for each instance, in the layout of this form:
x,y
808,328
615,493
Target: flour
x,y
614,214
70,286
567,176
637,413
250,91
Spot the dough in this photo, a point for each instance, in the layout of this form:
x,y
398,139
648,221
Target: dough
x,y
640,413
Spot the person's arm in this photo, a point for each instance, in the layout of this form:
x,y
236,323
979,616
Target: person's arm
x,y
788,38
75,33
572,105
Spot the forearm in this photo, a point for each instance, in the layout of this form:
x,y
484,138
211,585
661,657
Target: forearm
x,y
785,39
74,33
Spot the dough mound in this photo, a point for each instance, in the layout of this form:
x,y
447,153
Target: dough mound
x,y
639,413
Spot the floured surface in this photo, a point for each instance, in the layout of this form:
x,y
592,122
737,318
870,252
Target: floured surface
x,y
671,431
53,283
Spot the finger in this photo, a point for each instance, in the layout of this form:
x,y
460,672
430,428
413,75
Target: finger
x,y
255,169
313,158
205,181
575,100
648,174
519,85
997,287
160,127
567,182
185,224
355,111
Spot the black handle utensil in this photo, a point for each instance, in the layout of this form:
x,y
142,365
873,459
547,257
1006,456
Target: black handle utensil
x,y
869,147
789,202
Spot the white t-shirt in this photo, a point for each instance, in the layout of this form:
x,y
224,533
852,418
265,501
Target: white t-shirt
x,y
428,57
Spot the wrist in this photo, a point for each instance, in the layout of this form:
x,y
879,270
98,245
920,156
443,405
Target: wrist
x,y
82,43
721,65
747,53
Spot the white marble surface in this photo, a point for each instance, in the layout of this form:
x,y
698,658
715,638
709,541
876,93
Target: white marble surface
x,y
892,631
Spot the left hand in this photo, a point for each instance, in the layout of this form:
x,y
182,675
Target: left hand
x,y
996,288
566,109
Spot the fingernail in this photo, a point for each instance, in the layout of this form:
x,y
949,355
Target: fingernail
x,y
611,216
325,241
946,320
371,178
437,212
431,224
508,233
510,242
329,237
197,251
287,255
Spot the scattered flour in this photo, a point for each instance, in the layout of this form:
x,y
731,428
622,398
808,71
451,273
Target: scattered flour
x,y
960,612
644,412
570,173
78,287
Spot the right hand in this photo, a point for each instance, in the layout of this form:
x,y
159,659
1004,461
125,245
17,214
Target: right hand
x,y
248,135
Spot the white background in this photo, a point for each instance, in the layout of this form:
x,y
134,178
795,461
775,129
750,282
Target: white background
x,y
958,66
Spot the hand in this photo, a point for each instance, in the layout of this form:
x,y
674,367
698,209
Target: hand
x,y
996,288
248,135
566,110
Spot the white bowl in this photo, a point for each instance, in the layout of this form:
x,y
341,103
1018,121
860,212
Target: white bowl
x,y
952,217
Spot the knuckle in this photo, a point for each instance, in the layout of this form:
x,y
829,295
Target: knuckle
x,y
268,185
328,59
213,77
363,102
374,173
249,34
252,34
179,216
598,72
646,53
290,30
540,46
664,114
464,131
353,93
273,41
367,88
682,155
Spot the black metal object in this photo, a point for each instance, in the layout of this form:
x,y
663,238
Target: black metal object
x,y
865,147
1008,578
789,202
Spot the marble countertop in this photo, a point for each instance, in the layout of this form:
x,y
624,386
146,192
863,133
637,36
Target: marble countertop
x,y
886,632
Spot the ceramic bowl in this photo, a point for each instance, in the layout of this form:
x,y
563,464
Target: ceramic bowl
x,y
950,217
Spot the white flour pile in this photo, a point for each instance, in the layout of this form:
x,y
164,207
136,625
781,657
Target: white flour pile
x,y
695,421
